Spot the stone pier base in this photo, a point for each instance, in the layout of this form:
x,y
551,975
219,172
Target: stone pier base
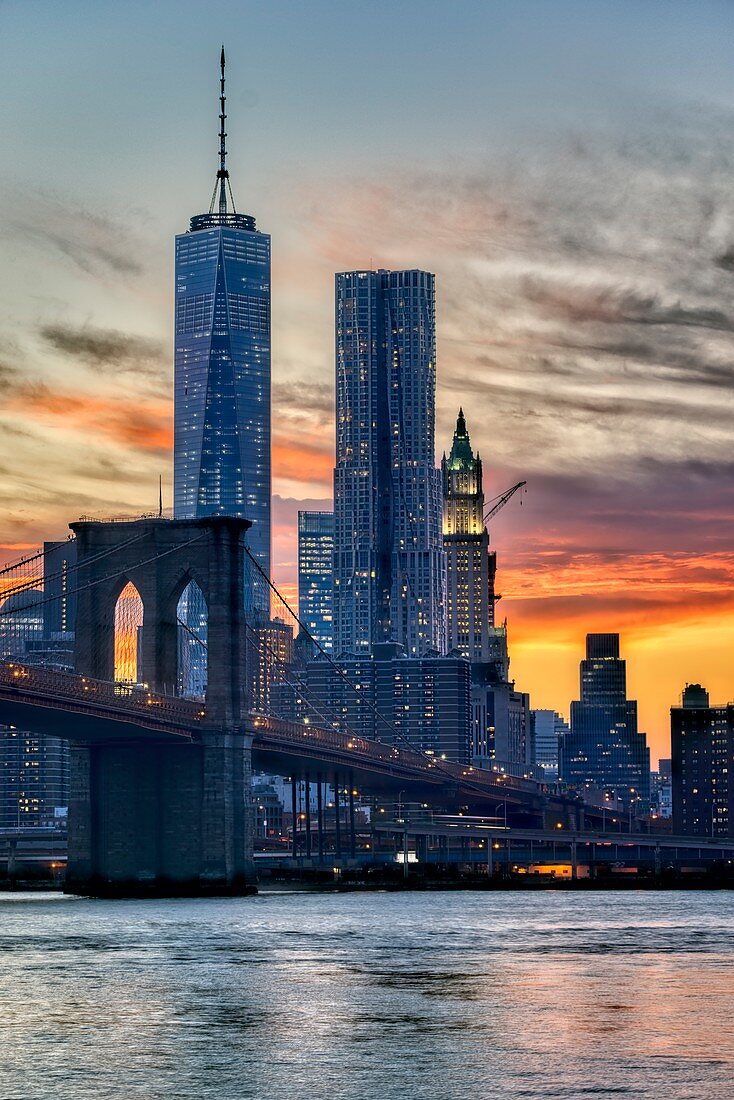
x,y
161,820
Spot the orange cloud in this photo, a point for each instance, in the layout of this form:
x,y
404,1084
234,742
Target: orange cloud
x,y
302,462
119,418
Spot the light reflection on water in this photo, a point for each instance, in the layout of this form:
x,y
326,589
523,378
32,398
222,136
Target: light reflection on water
x,y
371,996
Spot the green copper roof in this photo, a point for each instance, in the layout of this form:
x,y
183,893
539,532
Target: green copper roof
x,y
462,456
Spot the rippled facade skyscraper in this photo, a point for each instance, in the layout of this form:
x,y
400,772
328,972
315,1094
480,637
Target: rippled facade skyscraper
x,y
389,564
222,366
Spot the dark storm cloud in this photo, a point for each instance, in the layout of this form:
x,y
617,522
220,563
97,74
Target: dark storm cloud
x,y
103,348
304,397
618,306
726,259
8,375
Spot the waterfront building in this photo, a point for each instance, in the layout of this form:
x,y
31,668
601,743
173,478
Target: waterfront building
x,y
470,565
702,765
270,652
34,780
665,788
34,769
549,727
268,810
422,702
502,727
59,582
389,565
315,575
222,367
604,749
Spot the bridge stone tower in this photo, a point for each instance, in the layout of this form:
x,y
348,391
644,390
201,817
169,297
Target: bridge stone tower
x,y
152,816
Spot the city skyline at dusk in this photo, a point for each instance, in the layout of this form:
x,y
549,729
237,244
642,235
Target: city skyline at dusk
x,y
583,246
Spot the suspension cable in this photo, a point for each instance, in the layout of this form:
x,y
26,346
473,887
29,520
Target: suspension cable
x,y
436,761
340,672
27,585
296,685
109,577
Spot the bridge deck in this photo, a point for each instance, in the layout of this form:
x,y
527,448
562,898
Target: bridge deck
x,y
81,708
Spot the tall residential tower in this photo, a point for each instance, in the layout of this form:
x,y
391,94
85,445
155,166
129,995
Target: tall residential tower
x,y
222,364
702,747
389,570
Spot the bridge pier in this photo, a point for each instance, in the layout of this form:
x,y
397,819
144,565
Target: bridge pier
x,y
149,814
161,820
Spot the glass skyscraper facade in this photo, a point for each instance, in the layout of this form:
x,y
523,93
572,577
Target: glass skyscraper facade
x,y
222,368
389,565
604,749
315,574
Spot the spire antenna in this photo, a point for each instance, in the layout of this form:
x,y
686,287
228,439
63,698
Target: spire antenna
x,y
222,208
222,184
222,174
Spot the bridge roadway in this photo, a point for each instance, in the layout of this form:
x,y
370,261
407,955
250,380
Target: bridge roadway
x,y
455,829
83,709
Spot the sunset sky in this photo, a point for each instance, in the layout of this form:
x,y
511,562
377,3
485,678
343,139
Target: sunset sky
x,y
567,171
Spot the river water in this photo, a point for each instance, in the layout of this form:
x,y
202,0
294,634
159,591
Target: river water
x,y
370,996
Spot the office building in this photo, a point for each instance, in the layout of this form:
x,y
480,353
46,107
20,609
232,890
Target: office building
x,y
604,749
502,730
21,623
59,582
222,368
269,660
661,790
423,703
389,566
470,565
315,575
34,780
702,765
549,728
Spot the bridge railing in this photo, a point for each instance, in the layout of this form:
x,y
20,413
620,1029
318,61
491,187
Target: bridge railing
x,y
123,697
278,729
131,698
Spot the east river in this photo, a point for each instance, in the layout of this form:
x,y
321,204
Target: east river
x,y
369,996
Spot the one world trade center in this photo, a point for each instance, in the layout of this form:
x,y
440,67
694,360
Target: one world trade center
x,y
222,366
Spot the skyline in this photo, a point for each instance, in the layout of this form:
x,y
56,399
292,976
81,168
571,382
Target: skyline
x,y
597,252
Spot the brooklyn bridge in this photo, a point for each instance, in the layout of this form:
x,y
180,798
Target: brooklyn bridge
x,y
160,783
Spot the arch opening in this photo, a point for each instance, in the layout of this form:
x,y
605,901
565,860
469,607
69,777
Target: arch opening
x,y
192,616
129,615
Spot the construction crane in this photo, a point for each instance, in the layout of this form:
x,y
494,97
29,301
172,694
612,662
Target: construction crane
x,y
502,500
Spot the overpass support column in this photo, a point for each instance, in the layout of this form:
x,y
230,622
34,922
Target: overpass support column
x,y
294,817
337,818
307,809
320,815
352,831
80,866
